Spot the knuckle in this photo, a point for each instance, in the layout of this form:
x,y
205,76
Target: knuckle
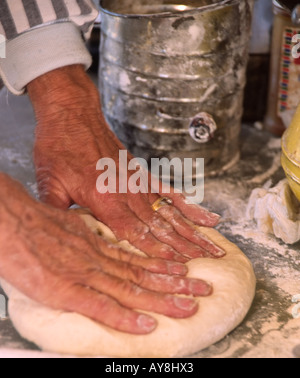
x,y
138,233
158,223
169,212
89,275
128,289
103,305
137,275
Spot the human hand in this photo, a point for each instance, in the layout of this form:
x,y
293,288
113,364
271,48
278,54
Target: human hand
x,y
71,137
53,258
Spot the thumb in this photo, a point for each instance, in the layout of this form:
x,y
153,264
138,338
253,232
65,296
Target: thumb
x,y
54,195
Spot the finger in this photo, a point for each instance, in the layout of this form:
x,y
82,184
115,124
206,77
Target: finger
x,y
193,212
51,192
126,252
190,232
107,311
127,226
154,265
95,246
176,285
156,282
57,200
135,297
164,231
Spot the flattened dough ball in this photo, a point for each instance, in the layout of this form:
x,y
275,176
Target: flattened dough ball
x,y
234,284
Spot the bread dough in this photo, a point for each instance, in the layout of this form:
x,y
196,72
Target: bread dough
x,y
234,284
276,211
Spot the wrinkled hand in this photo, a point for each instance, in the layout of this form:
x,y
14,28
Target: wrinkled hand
x,y
52,257
71,137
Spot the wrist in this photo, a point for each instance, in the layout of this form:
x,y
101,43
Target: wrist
x,y
67,87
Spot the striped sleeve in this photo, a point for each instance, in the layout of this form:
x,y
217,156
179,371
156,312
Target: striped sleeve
x,y
19,16
43,35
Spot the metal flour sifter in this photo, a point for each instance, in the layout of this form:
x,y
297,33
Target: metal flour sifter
x,y
172,76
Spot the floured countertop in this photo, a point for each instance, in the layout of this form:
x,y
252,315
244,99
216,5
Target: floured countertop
x,y
270,329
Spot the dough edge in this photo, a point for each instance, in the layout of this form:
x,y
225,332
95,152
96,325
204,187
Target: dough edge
x,y
234,285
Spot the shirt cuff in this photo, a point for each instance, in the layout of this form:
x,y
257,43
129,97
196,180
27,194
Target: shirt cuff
x,y
40,51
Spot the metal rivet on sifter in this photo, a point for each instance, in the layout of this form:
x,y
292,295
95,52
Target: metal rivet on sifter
x,y
202,128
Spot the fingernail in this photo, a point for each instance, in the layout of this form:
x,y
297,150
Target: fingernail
x,y
214,218
209,246
185,304
200,288
220,252
146,323
177,269
216,251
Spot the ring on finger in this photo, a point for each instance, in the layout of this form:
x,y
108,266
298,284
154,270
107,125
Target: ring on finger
x,y
161,202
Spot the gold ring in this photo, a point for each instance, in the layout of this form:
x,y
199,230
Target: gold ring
x,y
161,202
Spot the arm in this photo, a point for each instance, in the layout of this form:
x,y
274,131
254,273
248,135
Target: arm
x,y
71,136
86,275
69,117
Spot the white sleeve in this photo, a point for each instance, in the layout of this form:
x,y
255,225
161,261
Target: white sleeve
x,y
43,35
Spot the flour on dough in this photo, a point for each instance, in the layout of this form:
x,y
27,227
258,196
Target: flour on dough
x,y
276,211
234,284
